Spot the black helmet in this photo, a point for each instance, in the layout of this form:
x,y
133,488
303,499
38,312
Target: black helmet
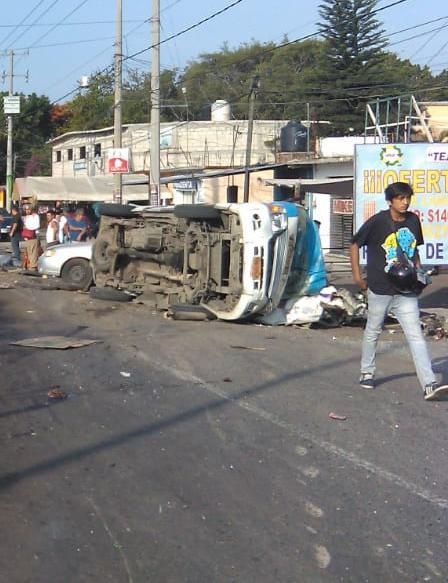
x,y
403,277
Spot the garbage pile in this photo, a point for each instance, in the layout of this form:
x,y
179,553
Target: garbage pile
x,y
332,307
434,325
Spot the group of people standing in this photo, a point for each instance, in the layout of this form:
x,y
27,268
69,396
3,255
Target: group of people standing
x,y
62,226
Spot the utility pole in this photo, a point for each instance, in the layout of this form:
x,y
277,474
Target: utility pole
x,y
11,107
154,196
118,183
9,150
250,124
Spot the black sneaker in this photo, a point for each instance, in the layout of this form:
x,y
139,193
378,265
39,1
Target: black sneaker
x,y
434,391
367,380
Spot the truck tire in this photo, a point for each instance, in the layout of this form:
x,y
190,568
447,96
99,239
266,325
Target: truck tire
x,y
123,211
78,273
190,312
110,294
100,255
196,211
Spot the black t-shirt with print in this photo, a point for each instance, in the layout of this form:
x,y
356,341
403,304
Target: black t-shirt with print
x,y
377,235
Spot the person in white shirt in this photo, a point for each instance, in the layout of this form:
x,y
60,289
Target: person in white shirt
x,y
62,221
52,229
30,232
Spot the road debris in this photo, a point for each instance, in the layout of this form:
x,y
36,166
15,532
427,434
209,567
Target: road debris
x,y
337,417
56,393
6,286
434,325
247,347
125,374
57,342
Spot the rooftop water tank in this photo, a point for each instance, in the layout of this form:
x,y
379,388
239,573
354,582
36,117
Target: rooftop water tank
x,y
293,137
220,110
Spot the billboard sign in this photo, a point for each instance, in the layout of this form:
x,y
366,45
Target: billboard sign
x,y
425,167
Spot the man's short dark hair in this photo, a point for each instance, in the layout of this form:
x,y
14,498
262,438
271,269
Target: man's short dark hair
x,y
398,189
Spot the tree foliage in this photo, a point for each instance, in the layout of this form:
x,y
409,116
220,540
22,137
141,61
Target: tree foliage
x,y
31,130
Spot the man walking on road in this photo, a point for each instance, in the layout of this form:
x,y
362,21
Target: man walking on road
x,y
392,238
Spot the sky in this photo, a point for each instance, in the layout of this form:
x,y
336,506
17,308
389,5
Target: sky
x,y
56,42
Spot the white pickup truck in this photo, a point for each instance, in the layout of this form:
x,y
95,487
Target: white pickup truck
x,y
233,260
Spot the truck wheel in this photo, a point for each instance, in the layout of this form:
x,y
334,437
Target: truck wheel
x,y
100,253
196,211
190,312
123,211
78,273
110,294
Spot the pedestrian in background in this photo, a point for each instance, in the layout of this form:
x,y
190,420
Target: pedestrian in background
x,y
16,234
30,233
62,215
52,234
391,285
78,226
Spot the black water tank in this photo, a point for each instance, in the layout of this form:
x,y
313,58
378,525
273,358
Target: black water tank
x,y
232,193
293,137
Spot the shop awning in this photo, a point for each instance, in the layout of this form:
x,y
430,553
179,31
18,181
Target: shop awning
x,y
82,189
334,186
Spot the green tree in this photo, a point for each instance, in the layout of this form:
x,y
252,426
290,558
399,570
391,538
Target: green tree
x,y
93,108
31,130
354,59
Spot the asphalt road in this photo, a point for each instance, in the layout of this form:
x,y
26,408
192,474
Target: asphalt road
x,y
213,458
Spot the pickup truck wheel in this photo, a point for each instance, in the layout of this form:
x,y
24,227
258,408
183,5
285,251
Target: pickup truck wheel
x,y
110,294
190,312
101,256
196,211
124,211
77,272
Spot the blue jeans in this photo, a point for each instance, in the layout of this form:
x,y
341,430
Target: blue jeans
x,y
15,245
405,309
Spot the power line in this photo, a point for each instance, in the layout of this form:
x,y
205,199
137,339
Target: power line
x,y
78,7
29,26
22,21
66,43
199,23
388,6
418,26
86,23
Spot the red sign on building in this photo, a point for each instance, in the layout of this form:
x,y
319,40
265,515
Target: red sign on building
x,y
119,161
343,206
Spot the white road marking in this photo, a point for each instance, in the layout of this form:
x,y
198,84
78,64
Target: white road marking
x,y
291,428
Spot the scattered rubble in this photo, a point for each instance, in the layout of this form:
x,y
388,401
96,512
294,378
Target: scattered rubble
x,y
337,417
434,325
332,307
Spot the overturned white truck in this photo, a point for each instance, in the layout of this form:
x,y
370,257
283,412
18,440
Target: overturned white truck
x,y
232,260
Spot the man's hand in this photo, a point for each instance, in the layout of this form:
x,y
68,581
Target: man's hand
x,y
356,268
362,283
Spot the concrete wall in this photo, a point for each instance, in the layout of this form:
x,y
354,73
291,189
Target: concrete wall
x,y
204,144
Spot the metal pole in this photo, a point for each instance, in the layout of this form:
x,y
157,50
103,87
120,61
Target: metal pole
x,y
250,124
308,127
9,147
118,185
155,106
